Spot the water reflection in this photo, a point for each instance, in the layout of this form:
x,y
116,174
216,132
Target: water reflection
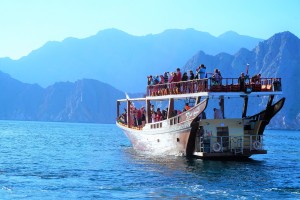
x,y
209,175
270,176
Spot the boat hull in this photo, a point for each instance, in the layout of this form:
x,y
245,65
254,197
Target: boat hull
x,y
162,142
167,137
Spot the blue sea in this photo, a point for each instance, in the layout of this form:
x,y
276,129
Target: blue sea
x,y
40,160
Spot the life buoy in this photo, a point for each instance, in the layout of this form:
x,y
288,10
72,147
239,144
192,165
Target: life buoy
x,y
256,145
217,147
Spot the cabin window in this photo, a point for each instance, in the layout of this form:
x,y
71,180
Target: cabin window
x,y
156,125
223,136
178,140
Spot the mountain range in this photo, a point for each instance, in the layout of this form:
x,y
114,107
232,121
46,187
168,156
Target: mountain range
x,y
87,100
279,56
116,58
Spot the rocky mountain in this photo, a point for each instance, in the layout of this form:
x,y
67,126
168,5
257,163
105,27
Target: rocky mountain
x,y
115,57
83,101
89,100
279,56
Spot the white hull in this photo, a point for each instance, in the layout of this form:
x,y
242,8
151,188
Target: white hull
x,y
162,142
167,137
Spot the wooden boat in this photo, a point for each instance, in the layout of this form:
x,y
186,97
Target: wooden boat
x,y
190,133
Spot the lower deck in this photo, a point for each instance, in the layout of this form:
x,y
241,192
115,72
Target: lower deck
x,y
227,138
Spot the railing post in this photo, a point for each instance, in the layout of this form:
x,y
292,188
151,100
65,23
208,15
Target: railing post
x,y
221,143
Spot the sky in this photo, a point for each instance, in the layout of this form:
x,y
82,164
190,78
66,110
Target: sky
x,y
27,25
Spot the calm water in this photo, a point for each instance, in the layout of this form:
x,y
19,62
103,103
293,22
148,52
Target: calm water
x,y
89,161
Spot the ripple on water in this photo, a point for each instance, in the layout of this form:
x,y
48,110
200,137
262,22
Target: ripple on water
x,y
91,161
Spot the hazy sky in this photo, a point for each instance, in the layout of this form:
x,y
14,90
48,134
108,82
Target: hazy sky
x,y
28,24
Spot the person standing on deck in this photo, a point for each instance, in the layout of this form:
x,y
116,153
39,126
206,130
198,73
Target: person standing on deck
x,y
242,81
184,84
139,118
178,80
153,116
197,76
166,77
184,77
143,116
216,77
178,75
202,71
192,76
191,84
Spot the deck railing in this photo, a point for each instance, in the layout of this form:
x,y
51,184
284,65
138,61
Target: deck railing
x,y
210,85
235,144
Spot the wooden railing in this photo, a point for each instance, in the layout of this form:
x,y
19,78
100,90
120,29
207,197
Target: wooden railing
x,y
209,85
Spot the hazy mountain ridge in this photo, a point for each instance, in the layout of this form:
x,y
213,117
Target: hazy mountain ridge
x,y
279,56
92,101
83,101
131,56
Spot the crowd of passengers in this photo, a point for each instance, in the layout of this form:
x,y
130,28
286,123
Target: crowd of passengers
x,y
177,76
138,116
169,82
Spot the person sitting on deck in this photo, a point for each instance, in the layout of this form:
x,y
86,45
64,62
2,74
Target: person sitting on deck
x,y
158,114
125,116
256,79
121,119
187,107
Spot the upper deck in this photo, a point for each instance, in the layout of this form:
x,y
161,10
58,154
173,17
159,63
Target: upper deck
x,y
225,86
